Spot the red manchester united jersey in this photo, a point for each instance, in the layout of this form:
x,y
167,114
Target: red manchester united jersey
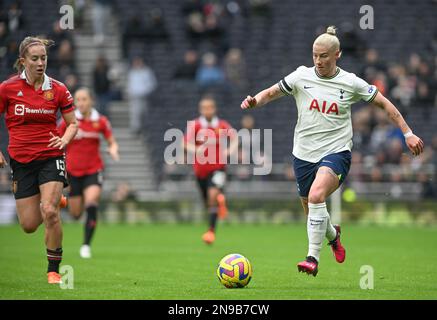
x,y
215,136
83,153
31,115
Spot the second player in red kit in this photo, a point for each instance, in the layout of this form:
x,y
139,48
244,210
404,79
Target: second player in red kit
x,y
210,174
30,101
85,165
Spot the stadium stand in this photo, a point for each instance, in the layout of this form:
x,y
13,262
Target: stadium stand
x,y
273,39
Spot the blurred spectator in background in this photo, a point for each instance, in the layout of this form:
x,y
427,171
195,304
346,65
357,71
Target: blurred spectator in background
x,y
195,28
414,63
380,81
205,26
65,54
393,152
156,29
79,10
357,167
235,68
215,34
4,39
64,62
58,35
250,152
209,73
133,31
361,121
379,133
424,73
403,94
188,67
15,17
141,82
428,187
101,16
116,76
71,82
424,99
372,64
376,175
11,54
394,72
102,85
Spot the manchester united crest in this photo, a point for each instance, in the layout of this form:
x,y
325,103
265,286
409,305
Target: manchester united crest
x,y
49,95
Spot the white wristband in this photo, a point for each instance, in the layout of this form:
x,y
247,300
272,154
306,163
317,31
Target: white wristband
x,y
408,134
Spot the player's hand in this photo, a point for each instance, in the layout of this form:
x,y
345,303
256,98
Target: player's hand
x,y
113,152
249,102
56,142
415,144
3,162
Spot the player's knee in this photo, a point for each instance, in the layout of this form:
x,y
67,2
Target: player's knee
x,y
316,195
29,227
51,214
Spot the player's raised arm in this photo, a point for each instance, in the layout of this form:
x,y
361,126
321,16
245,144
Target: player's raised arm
x,y
414,143
263,97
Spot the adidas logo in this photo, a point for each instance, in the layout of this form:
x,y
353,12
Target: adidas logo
x,y
20,94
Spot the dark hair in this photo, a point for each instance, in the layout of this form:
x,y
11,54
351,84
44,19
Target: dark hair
x,y
26,44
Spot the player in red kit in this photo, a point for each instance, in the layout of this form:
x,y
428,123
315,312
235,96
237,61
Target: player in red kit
x,y
30,102
84,164
206,133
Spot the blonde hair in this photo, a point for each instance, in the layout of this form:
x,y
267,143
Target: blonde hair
x,y
26,44
329,39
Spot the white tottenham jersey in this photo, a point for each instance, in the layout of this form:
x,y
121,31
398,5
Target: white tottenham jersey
x,y
324,124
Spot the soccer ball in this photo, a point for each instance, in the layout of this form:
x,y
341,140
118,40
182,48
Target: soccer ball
x,y
234,271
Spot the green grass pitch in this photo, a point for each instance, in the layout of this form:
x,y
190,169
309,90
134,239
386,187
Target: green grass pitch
x,y
171,262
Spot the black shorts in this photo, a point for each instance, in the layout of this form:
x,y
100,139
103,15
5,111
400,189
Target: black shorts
x,y
27,177
215,179
79,184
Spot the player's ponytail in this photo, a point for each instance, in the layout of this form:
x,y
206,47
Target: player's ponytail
x,y
329,38
26,44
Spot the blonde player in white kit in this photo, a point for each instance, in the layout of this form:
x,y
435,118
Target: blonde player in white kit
x,y
323,136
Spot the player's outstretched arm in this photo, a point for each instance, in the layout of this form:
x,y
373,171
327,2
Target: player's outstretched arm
x,y
414,143
263,97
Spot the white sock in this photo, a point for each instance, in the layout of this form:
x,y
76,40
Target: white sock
x,y
317,223
331,233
